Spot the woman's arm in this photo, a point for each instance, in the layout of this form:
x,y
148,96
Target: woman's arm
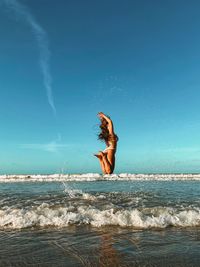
x,y
109,121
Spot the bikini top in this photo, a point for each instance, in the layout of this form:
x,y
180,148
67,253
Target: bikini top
x,y
113,143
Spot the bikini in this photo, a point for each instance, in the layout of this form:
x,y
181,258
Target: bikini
x,y
110,147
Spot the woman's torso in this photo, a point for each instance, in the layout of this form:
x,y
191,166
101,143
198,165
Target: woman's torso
x,y
111,144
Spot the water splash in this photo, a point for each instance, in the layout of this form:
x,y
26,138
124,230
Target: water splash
x,y
70,191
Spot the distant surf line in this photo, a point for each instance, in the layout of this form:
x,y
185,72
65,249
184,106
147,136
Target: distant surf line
x,y
98,177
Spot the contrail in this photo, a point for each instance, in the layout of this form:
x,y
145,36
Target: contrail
x,y
42,41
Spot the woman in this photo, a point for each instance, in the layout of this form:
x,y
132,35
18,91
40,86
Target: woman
x,y
107,134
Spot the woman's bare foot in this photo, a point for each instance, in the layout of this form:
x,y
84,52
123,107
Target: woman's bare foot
x,y
99,155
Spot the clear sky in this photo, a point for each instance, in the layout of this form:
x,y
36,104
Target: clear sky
x,y
136,60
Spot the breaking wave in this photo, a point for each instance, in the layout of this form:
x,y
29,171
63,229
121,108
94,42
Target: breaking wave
x,y
46,215
98,177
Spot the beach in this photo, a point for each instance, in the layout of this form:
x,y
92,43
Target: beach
x,y
99,140
99,221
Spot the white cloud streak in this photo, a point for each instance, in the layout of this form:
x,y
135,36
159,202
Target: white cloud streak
x,y
181,150
49,147
42,41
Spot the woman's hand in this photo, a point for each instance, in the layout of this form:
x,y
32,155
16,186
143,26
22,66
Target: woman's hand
x,y
102,115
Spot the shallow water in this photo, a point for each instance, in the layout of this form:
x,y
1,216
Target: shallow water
x,y
101,223
108,246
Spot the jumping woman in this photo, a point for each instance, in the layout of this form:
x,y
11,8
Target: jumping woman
x,y
107,134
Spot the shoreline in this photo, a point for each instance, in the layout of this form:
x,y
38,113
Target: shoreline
x,y
98,177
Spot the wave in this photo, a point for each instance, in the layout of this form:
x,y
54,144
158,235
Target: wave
x,y
97,177
45,215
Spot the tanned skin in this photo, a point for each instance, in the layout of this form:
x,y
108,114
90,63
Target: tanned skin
x,y
107,158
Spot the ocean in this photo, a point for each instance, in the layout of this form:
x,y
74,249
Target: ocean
x,y
93,220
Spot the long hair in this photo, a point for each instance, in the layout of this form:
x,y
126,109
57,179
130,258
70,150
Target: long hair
x,y
104,135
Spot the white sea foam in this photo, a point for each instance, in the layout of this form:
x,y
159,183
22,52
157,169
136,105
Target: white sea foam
x,y
47,216
97,177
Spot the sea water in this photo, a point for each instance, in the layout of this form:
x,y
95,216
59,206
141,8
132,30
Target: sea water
x,y
99,222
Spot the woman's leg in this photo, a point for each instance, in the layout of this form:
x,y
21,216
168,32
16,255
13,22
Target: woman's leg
x,y
107,165
107,162
102,165
100,157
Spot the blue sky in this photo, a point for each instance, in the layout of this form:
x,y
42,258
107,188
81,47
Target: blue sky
x,y
137,61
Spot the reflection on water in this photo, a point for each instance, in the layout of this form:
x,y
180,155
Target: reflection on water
x,y
47,224
109,246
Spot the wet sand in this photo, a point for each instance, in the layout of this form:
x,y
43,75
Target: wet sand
x,y
108,246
